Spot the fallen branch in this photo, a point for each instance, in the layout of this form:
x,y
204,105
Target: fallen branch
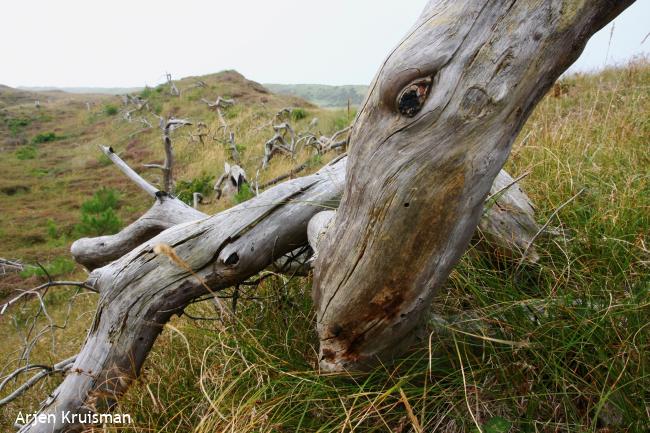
x,y
167,211
221,251
10,264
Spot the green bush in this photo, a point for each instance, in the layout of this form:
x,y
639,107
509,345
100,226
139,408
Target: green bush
x,y
103,223
52,229
102,200
45,137
26,152
110,110
201,184
146,92
244,193
98,216
16,125
298,114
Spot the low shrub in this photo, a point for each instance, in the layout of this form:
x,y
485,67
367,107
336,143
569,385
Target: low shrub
x,y
185,189
245,193
98,215
16,125
298,114
45,137
110,110
26,152
102,200
146,92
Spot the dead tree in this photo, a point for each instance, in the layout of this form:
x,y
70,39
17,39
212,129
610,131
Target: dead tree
x,y
173,90
168,126
219,105
431,136
230,182
201,133
283,141
228,135
324,144
138,103
429,140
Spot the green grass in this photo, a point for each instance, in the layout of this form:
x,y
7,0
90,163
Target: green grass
x,y
561,345
26,152
557,346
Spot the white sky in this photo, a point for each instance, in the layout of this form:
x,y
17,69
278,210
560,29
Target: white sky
x,y
120,43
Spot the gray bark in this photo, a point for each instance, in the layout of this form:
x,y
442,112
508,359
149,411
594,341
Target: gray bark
x,y
431,136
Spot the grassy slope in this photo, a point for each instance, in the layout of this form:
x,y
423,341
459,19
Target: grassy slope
x,y
559,346
40,197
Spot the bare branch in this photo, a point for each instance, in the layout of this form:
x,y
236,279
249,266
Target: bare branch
x,y
37,289
129,172
60,367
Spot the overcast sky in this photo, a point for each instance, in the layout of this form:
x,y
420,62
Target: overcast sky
x,y
120,43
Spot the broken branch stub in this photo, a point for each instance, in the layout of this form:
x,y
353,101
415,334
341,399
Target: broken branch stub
x,y
431,136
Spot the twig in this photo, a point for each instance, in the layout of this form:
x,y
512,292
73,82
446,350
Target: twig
x,y
548,221
45,286
45,371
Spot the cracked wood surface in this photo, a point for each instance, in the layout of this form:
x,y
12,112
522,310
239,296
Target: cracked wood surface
x,y
428,142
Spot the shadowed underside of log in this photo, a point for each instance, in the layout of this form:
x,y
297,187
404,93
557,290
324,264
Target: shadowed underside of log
x,y
432,134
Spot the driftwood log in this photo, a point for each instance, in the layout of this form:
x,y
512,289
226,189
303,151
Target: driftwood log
x,y
425,149
429,140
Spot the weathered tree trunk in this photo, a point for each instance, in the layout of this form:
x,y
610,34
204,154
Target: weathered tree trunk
x,y
427,145
432,134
